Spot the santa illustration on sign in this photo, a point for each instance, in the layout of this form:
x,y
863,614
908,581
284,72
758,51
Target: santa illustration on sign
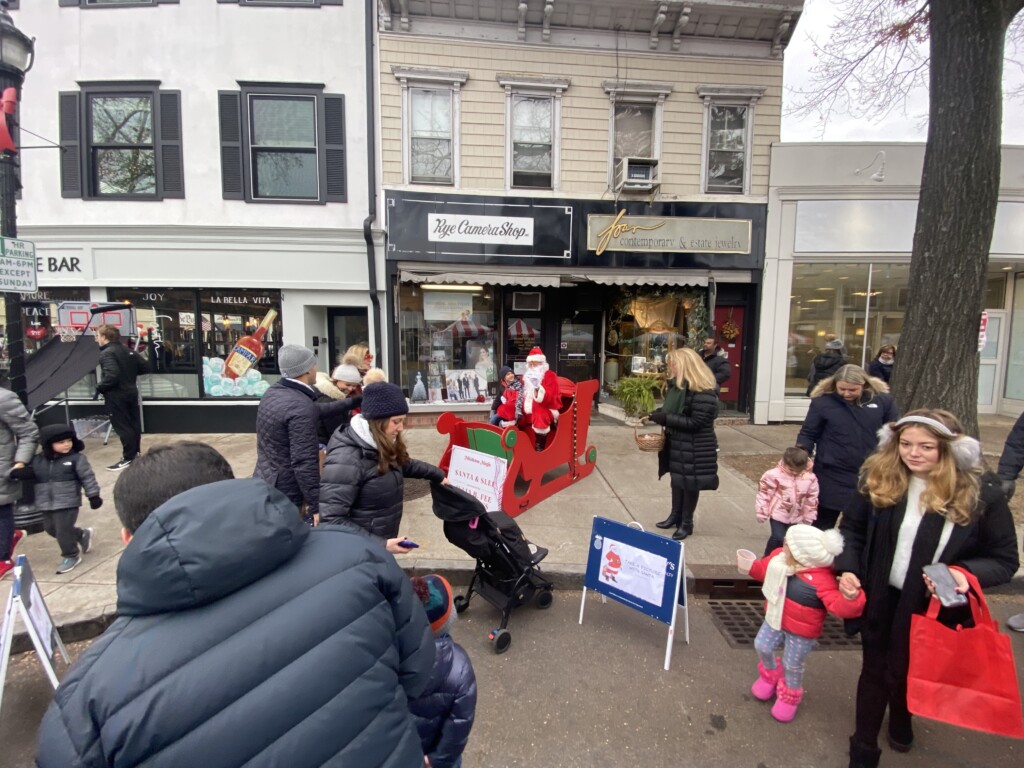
x,y
541,395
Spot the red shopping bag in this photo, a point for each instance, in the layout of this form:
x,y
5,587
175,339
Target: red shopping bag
x,y
961,676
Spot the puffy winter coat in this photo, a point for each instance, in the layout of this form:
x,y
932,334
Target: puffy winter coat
x,y
353,489
19,436
823,366
245,638
810,595
786,497
444,712
119,369
690,454
840,435
718,363
287,452
1012,459
335,408
880,370
61,478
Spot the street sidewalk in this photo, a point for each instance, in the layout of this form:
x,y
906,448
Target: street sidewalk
x,y
623,487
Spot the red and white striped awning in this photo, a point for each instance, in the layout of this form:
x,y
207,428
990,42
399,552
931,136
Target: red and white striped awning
x,y
519,329
468,328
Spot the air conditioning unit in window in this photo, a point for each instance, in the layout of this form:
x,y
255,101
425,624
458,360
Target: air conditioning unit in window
x,y
636,174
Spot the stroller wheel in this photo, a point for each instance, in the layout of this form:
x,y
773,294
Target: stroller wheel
x,y
502,639
544,599
461,603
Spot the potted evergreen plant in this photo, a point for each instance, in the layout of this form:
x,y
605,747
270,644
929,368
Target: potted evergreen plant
x,y
637,395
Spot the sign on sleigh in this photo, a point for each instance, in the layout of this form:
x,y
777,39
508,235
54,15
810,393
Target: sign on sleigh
x,y
478,474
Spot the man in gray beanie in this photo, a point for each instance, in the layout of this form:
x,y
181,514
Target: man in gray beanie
x,y
287,451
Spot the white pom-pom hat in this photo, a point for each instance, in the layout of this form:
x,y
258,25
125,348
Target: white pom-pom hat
x,y
813,548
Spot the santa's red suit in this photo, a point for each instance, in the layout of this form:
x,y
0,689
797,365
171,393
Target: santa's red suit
x,y
541,395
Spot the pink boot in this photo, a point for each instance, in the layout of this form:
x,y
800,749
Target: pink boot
x,y
765,685
784,708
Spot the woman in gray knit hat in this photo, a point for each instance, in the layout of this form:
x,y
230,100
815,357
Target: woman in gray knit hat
x,y
366,465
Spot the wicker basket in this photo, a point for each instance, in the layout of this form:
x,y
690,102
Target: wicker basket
x,y
650,441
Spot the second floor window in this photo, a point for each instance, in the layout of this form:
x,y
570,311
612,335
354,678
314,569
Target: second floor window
x,y
634,130
283,143
532,141
727,148
431,127
121,141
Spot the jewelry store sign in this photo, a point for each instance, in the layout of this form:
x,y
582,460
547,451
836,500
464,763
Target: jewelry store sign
x,y
671,234
18,266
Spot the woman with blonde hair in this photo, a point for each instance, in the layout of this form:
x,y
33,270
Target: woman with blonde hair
x,y
690,455
840,431
923,500
358,355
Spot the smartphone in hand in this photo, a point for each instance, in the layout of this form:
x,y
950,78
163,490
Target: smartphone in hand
x,y
945,585
406,544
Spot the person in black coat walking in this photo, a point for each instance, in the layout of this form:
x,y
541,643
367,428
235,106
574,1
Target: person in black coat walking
x,y
287,419
242,636
120,368
1010,464
366,464
840,431
826,364
690,455
881,366
923,500
717,360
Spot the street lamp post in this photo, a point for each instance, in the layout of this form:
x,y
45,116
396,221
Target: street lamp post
x,y
16,57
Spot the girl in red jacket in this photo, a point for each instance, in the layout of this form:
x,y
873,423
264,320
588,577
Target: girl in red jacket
x,y
800,588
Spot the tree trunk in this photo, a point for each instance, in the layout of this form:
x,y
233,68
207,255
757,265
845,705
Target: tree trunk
x,y
937,364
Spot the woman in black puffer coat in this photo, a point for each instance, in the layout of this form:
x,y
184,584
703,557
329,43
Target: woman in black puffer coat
x,y
366,464
690,454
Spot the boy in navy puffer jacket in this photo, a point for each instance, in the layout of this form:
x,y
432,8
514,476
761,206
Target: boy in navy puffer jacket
x,y
444,712
61,473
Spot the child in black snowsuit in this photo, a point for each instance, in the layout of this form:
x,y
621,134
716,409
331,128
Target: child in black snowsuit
x,y
61,473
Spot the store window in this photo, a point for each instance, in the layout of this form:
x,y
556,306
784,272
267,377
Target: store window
x,y
241,333
448,340
38,324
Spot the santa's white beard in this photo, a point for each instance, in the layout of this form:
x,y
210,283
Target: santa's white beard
x,y
533,375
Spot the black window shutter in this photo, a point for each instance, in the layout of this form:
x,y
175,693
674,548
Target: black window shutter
x,y
334,148
231,176
71,144
172,168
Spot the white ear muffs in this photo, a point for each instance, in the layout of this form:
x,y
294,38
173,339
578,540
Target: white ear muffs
x,y
966,450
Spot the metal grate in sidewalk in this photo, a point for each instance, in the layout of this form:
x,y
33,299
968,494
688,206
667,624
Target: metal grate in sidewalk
x,y
739,620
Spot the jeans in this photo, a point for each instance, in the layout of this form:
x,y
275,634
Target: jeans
x,y
6,530
778,535
60,523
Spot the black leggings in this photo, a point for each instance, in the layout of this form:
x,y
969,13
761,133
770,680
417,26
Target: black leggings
x,y
684,503
826,518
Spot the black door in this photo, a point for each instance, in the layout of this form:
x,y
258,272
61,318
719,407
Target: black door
x,y
577,346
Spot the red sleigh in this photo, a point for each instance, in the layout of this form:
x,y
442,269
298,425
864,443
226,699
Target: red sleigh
x,y
533,475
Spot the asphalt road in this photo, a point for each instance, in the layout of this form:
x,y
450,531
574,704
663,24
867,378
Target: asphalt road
x,y
566,695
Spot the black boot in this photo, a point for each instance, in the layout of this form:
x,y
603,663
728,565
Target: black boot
x,y
542,440
685,525
863,756
671,521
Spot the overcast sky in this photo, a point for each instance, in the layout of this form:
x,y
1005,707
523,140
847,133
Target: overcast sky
x,y
897,126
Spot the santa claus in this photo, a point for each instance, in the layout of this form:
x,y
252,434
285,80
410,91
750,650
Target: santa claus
x,y
541,395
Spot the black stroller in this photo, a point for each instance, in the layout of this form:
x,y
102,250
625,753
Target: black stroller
x,y
507,571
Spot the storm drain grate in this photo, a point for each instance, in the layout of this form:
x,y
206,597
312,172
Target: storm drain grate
x,y
739,620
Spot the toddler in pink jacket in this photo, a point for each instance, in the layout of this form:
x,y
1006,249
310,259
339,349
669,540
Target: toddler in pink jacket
x,y
787,495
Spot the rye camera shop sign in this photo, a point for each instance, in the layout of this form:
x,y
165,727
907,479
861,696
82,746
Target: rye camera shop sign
x,y
18,266
493,230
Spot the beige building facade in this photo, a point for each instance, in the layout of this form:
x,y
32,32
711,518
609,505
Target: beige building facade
x,y
552,169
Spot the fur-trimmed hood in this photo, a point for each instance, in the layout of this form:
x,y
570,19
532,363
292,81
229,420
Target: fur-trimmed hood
x,y
874,386
325,386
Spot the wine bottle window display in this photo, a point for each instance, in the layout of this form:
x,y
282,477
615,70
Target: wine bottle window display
x,y
247,344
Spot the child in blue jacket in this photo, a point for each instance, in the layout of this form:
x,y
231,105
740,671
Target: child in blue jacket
x,y
444,712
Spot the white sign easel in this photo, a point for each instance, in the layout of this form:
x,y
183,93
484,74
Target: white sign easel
x,y
27,601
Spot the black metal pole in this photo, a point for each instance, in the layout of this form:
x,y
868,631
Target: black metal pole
x,y
9,228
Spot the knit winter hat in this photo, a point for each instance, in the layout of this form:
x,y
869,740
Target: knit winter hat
x,y
435,593
813,548
536,356
348,374
501,373
295,360
834,344
382,401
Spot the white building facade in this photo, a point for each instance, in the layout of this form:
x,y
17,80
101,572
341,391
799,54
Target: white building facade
x,y
213,172
840,231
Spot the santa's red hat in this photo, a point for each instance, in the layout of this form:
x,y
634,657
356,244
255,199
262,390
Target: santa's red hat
x,y
536,356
